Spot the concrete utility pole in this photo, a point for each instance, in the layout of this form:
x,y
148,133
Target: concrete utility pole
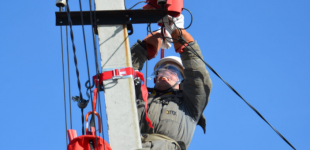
x,y
124,132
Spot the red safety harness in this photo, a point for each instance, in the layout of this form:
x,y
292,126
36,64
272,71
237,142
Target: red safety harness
x,y
83,142
121,73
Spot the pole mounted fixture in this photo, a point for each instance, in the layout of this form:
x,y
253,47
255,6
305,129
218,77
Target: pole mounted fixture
x,y
61,3
111,17
174,7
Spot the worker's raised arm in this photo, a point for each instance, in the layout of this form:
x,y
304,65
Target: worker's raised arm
x,y
197,83
146,49
143,50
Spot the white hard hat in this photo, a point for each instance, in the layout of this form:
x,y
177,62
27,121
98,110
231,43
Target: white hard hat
x,y
174,60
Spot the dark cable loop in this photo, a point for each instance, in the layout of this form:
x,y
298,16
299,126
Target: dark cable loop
x,y
136,4
63,76
192,18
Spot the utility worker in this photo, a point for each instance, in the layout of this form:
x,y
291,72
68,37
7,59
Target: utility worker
x,y
181,93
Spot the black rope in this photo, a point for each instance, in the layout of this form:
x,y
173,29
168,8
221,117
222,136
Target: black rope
x,y
75,60
82,110
74,50
63,76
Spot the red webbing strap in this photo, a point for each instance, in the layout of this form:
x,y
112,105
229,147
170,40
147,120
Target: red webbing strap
x,y
95,99
162,52
114,73
119,73
109,75
145,97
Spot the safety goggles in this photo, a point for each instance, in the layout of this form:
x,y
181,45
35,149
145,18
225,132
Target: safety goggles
x,y
167,71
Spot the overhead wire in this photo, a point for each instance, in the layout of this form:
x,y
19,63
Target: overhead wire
x,y
94,24
75,60
195,53
69,80
63,78
97,67
259,114
85,47
86,55
235,91
74,49
136,4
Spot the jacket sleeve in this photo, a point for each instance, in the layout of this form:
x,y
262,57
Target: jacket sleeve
x,y
138,55
197,83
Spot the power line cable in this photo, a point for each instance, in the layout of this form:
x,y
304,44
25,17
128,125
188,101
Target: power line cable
x,y
136,4
97,63
195,53
183,42
75,60
69,80
86,55
63,76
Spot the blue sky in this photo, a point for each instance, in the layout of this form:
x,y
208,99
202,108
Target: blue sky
x,y
260,47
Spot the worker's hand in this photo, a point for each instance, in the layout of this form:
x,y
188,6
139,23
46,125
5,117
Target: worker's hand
x,y
153,43
178,45
173,24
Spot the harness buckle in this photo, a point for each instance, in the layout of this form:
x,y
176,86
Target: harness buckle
x,y
120,73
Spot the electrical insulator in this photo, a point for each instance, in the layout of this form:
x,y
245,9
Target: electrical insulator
x,y
61,3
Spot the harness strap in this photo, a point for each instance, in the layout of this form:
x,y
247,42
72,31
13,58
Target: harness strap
x,y
156,137
145,95
118,73
121,73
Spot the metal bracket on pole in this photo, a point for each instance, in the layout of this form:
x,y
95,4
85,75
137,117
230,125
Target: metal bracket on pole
x,y
110,17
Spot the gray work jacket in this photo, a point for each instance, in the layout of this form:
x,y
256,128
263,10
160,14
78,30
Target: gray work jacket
x,y
176,114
